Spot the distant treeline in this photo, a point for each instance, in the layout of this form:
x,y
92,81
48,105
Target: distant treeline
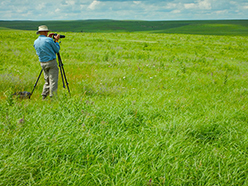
x,y
202,27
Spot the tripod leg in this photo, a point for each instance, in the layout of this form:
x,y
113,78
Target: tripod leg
x,y
63,76
36,83
61,66
67,84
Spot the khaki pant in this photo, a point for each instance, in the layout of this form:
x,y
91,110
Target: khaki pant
x,y
51,72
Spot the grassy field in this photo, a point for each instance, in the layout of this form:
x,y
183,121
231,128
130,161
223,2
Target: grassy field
x,y
202,27
145,109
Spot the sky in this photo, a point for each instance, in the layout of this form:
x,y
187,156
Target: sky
x,y
123,9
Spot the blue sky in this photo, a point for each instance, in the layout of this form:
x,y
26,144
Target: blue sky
x,y
123,9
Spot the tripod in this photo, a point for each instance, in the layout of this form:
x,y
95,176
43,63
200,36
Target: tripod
x,y
62,72
63,76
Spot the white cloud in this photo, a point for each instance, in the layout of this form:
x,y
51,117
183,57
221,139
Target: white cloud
x,y
205,4
221,12
137,2
82,7
40,6
176,11
190,5
171,5
70,2
93,5
245,6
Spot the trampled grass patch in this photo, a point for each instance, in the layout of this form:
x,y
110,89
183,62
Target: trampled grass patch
x,y
158,109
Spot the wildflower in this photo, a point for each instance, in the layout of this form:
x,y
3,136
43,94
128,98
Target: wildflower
x,y
22,120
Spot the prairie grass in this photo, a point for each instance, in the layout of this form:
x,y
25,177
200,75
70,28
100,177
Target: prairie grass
x,y
201,27
146,109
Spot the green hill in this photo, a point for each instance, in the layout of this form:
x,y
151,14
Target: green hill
x,y
203,27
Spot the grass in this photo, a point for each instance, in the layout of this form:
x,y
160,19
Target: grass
x,y
156,109
201,27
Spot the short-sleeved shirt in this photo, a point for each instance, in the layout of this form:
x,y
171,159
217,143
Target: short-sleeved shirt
x,y
46,48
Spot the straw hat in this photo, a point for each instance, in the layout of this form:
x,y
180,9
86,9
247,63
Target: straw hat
x,y
42,28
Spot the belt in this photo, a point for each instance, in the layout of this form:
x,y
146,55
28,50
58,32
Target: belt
x,y
48,61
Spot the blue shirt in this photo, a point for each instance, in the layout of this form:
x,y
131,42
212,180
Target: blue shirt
x,y
46,48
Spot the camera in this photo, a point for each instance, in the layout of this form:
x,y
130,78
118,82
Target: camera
x,y
61,36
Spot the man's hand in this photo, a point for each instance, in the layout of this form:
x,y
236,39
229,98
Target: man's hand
x,y
51,35
56,37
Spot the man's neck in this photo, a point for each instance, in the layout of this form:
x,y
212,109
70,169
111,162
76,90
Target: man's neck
x,y
43,33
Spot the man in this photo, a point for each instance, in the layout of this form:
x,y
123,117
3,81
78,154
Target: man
x,y
46,49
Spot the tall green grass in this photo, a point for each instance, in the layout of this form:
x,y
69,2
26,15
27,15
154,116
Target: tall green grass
x,y
156,109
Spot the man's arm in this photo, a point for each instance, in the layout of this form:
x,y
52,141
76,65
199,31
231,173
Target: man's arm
x,y
55,44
